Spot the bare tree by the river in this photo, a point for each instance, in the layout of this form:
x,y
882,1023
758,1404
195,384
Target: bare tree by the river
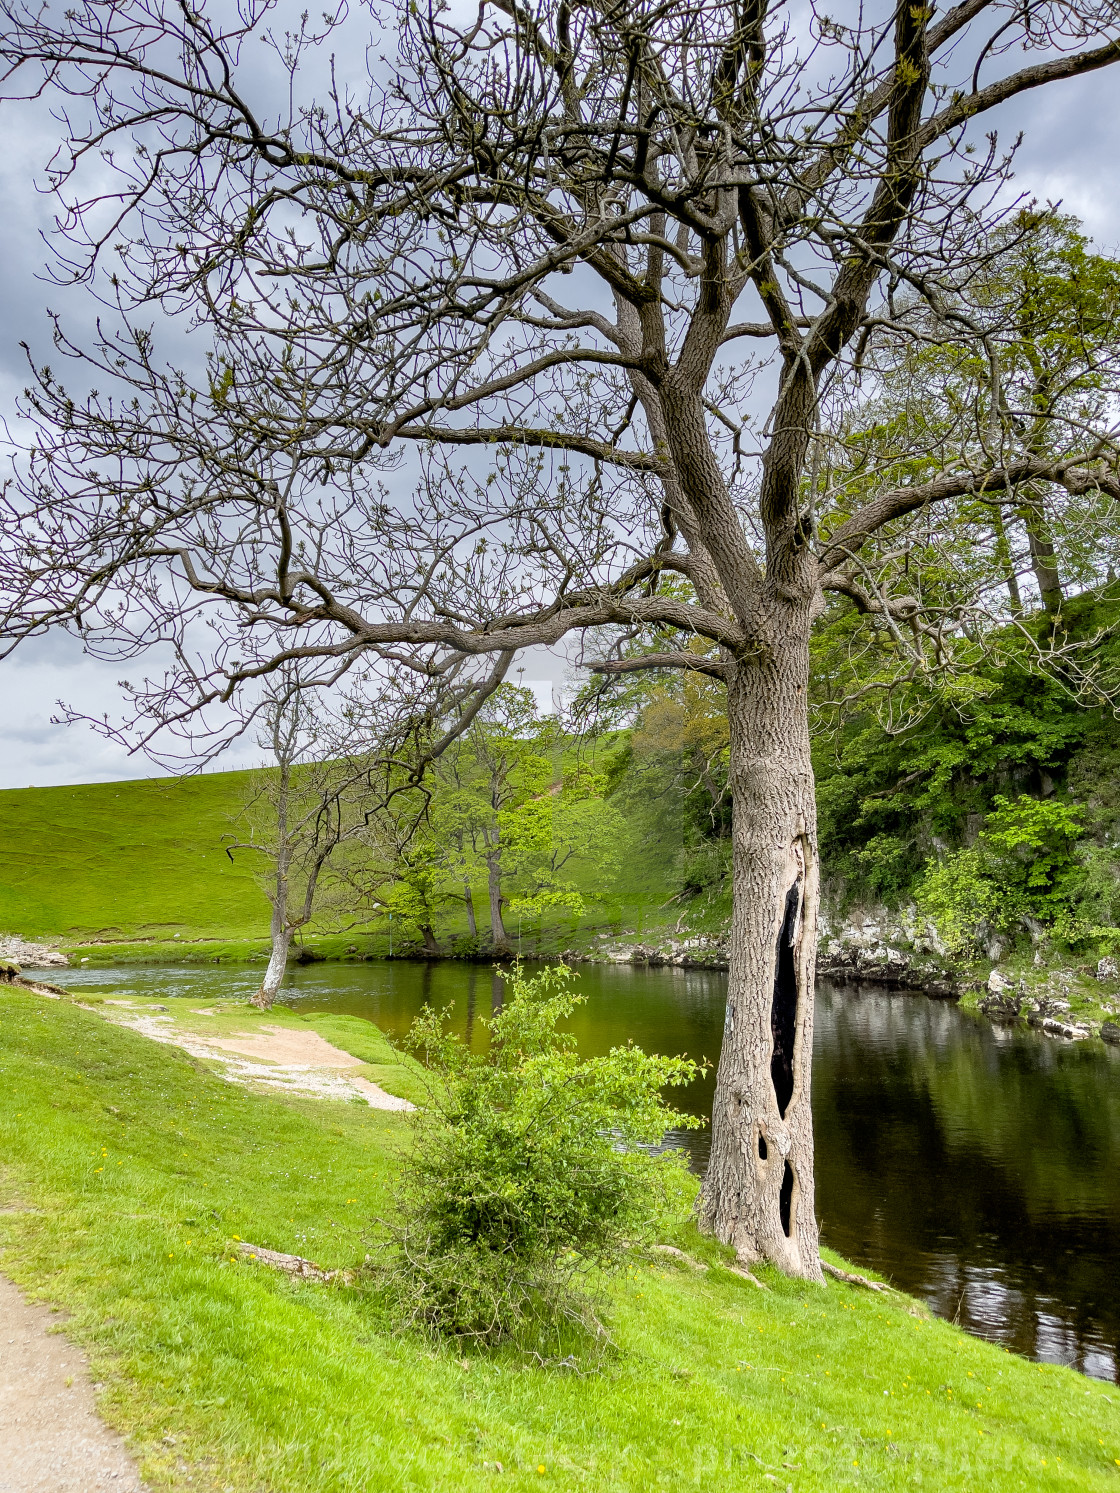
x,y
305,808
513,265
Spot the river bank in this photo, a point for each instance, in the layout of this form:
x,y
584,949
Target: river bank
x,y
132,1175
897,950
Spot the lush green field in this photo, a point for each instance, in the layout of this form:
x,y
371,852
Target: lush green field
x,y
124,860
132,1172
134,869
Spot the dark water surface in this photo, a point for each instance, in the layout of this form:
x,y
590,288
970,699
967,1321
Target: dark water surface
x,y
976,1167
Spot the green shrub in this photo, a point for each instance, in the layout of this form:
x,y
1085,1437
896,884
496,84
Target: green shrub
x,y
1026,868
466,946
531,1170
958,894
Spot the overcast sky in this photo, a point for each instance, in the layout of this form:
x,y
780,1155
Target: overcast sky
x,y
1071,152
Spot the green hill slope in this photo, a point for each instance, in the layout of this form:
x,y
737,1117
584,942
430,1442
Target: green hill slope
x,y
126,860
127,867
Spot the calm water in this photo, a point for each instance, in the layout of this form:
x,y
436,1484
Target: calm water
x,y
976,1167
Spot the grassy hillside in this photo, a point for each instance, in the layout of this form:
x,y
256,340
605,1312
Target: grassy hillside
x,y
128,1173
141,862
126,860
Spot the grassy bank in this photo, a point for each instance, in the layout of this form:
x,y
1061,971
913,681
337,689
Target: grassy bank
x,y
126,861
132,1170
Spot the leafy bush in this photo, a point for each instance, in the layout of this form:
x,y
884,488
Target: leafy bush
x,y
1026,869
959,894
466,946
531,1168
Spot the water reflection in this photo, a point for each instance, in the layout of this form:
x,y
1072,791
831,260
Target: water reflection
x,y
978,1168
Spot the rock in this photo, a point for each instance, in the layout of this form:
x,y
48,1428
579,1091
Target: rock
x,y
1001,1004
31,955
1064,1029
1108,968
1110,1032
998,983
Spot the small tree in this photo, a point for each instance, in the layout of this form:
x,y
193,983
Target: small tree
x,y
562,843
531,1169
511,800
410,876
499,763
301,812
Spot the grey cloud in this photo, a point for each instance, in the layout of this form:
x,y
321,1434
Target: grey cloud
x,y
1070,152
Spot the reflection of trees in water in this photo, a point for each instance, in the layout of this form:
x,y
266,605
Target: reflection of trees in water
x,y
979,1168
472,990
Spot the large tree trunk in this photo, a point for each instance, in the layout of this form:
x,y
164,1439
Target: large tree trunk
x,y
1044,560
758,1193
277,963
468,901
431,943
498,935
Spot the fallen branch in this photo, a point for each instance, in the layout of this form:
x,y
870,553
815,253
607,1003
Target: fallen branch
x,y
853,1280
293,1264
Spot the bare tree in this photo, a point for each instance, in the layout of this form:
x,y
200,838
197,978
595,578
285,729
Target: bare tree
x,y
381,272
305,807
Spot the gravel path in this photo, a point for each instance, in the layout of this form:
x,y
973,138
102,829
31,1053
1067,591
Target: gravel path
x,y
51,1437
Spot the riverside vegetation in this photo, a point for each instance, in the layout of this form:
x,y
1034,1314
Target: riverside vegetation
x,y
985,833
132,1175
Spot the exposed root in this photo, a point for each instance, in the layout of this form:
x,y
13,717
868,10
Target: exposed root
x,y
679,1254
746,1275
853,1280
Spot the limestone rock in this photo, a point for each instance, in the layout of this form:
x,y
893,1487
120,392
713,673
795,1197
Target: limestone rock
x,y
31,955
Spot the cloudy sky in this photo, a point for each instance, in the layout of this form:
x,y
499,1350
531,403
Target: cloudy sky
x,y
1070,152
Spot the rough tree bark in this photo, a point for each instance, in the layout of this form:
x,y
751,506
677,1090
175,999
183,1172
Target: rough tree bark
x,y
431,943
281,927
278,959
758,1192
1044,562
499,938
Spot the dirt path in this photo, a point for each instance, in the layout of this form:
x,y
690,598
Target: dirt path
x,y
301,1062
51,1437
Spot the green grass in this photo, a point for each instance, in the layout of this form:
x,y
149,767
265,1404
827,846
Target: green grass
x,y
137,870
126,860
134,1169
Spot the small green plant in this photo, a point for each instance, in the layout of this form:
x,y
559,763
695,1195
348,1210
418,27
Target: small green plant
x,y
532,1169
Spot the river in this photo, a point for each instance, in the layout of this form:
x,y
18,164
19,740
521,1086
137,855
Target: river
x,y
976,1167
